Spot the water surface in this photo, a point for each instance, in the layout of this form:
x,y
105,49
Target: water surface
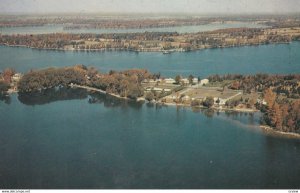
x,y
272,58
69,142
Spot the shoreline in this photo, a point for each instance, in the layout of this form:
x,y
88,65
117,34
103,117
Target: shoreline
x,y
154,50
98,90
268,129
272,131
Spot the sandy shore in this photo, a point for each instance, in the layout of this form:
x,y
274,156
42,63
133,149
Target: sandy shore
x,y
272,131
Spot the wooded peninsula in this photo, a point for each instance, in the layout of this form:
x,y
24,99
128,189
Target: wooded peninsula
x,y
276,96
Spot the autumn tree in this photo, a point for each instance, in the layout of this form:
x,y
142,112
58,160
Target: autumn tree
x,y
269,97
7,74
149,96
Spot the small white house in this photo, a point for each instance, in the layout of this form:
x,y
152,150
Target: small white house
x,y
204,81
169,80
157,89
16,77
195,80
185,81
261,101
221,101
151,81
167,89
185,98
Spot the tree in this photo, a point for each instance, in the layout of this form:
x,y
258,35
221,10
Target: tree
x,y
177,79
208,102
4,86
135,91
276,116
199,79
270,97
251,103
218,101
7,74
149,96
191,77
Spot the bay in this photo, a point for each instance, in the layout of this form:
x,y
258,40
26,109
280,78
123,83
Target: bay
x,y
71,139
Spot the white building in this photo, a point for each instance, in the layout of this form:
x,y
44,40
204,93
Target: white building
x,y
157,89
221,101
169,81
261,101
195,80
185,81
16,77
204,81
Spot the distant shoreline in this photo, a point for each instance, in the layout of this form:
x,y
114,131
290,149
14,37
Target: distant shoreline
x,y
141,50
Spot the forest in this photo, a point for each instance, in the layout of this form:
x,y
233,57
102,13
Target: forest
x,y
286,85
281,114
280,92
125,84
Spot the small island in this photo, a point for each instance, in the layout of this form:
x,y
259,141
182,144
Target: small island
x,y
276,96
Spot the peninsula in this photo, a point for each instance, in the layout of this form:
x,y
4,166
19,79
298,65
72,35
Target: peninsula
x,y
276,96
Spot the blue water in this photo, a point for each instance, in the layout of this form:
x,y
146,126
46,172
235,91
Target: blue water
x,y
180,29
273,58
60,139
116,144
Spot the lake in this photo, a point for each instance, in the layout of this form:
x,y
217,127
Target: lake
x,y
272,58
180,29
71,139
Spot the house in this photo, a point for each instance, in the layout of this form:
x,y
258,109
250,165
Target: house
x,y
157,89
204,81
195,81
221,101
151,81
169,81
185,81
261,101
167,90
16,77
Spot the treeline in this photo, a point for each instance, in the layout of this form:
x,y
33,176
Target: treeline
x,y
5,80
287,85
281,105
281,114
125,83
52,77
154,41
78,41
